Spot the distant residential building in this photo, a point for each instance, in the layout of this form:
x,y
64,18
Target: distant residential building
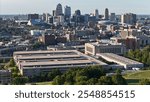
x,y
61,39
37,32
59,10
71,37
130,42
47,39
94,48
33,16
21,22
5,77
33,22
106,14
143,39
128,18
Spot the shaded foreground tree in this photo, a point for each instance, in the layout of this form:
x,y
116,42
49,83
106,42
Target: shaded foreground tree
x,y
92,75
20,81
144,82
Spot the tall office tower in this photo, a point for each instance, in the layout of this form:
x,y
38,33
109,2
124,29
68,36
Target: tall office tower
x,y
33,16
54,13
106,14
86,18
59,10
78,13
112,17
128,18
47,17
67,11
44,17
96,13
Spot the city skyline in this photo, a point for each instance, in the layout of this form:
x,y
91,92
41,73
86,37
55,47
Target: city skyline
x,y
42,6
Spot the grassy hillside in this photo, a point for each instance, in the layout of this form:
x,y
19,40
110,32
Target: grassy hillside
x,y
134,77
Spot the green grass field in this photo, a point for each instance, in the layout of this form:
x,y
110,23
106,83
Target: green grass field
x,y
134,77
43,83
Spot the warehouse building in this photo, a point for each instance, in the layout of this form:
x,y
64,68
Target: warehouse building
x,y
35,62
127,63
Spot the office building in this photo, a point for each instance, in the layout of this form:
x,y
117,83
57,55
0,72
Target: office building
x,y
132,38
47,39
77,13
106,14
112,17
47,17
59,10
130,42
128,18
33,16
54,13
35,62
67,12
44,17
97,47
96,13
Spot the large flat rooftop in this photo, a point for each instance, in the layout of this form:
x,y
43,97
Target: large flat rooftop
x,y
118,58
105,44
51,59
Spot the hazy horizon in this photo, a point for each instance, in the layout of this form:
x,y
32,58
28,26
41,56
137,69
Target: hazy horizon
x,y
87,6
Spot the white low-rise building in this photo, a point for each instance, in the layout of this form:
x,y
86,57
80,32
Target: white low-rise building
x,y
94,48
126,62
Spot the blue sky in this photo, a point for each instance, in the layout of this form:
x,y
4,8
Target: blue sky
x,y
86,6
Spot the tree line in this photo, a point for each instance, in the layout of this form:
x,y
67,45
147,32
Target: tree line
x,y
92,75
140,55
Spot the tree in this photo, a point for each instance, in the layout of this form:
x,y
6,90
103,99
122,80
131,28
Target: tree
x,y
37,45
20,80
58,80
105,80
118,80
131,54
53,74
92,72
12,63
92,81
69,79
118,71
144,82
81,78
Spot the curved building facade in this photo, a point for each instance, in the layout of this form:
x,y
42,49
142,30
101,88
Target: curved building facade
x,y
106,14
